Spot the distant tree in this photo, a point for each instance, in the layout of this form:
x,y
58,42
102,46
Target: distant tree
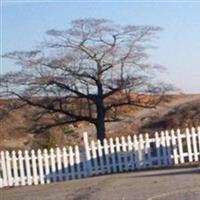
x,y
85,73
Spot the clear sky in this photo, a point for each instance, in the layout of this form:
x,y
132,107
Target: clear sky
x,y
24,24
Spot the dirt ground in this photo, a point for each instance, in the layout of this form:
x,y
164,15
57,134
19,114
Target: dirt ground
x,y
171,184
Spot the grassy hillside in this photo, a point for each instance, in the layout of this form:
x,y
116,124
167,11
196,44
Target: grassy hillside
x,y
175,112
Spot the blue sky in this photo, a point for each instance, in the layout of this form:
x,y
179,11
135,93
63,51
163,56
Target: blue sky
x,y
178,47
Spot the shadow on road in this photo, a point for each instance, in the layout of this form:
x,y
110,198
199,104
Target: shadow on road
x,y
173,173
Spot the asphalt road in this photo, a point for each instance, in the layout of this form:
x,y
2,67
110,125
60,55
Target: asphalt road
x,y
173,184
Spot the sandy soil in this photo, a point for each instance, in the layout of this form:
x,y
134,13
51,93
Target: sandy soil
x,y
173,184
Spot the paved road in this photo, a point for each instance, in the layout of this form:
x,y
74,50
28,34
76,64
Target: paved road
x,y
173,184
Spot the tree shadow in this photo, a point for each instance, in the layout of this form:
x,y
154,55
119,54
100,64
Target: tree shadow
x,y
111,163
172,173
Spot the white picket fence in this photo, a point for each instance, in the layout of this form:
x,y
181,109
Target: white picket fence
x,y
129,153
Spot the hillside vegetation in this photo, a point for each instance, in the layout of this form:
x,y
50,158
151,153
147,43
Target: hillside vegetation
x,y
177,111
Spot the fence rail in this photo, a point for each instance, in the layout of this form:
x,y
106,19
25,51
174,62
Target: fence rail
x,y
113,155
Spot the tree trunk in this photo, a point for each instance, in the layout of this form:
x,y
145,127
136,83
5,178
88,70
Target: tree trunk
x,y
100,124
100,128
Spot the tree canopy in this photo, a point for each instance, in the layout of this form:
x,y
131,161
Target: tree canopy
x,y
87,72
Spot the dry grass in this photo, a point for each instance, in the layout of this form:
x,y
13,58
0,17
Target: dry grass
x,y
176,111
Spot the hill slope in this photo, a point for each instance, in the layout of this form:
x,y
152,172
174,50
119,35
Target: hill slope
x,y
179,112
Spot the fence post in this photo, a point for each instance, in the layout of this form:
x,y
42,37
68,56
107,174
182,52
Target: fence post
x,y
87,153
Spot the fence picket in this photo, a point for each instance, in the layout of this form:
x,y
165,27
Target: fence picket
x,y
46,166
21,167
40,166
148,161
124,153
65,163
4,171
168,146
164,150
112,151
15,169
194,144
34,167
77,161
53,165
100,155
106,154
198,133
189,148
174,147
130,153
142,151
158,148
8,168
59,164
28,168
87,153
71,162
94,157
136,149
180,146
118,151
1,181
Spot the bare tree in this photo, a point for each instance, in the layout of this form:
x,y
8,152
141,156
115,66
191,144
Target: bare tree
x,y
87,72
